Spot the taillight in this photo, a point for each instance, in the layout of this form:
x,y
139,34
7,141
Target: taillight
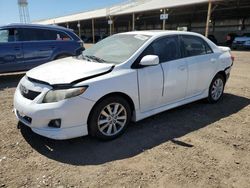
x,y
232,57
81,43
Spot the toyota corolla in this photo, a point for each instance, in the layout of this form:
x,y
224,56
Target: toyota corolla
x,y
125,77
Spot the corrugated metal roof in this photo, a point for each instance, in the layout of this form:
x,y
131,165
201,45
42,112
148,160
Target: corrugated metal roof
x,y
132,6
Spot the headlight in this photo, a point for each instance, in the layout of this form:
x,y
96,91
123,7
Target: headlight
x,y
61,94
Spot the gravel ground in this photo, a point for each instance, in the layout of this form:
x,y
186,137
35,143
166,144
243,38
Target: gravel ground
x,y
196,145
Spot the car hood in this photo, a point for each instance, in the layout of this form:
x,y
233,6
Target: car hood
x,y
68,71
242,39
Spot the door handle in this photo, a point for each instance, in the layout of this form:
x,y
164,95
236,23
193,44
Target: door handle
x,y
182,67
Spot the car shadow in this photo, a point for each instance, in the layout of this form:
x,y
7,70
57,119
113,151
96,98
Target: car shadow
x,y
10,80
140,136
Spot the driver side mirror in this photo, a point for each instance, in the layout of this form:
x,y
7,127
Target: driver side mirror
x,y
149,60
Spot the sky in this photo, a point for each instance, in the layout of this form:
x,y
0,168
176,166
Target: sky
x,y
42,9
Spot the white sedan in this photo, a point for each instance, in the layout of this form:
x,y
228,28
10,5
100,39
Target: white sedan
x,y
128,76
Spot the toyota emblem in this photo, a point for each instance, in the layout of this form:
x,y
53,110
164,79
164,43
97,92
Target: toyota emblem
x,y
24,89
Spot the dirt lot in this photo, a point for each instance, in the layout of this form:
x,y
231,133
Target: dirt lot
x,y
197,145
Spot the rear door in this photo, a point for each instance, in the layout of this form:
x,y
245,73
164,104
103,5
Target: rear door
x,y
11,55
37,47
175,70
201,63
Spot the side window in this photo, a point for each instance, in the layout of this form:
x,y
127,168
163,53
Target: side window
x,y
41,35
165,48
62,36
28,34
54,35
193,46
8,35
49,35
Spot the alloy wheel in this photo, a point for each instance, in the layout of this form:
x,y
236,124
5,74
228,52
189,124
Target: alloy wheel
x,y
112,119
217,89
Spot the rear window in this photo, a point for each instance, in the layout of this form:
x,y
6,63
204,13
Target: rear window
x,y
42,35
194,46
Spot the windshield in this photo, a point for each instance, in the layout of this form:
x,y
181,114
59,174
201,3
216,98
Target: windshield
x,y
115,49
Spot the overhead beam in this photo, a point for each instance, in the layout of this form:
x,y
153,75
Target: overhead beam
x,y
79,28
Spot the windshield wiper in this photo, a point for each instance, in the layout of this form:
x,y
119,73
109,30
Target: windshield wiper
x,y
92,57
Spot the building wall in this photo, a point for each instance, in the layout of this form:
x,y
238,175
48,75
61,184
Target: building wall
x,y
226,18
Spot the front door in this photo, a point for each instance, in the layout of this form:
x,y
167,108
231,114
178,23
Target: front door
x,y
11,54
150,81
167,82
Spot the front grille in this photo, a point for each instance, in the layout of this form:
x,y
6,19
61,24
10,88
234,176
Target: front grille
x,y
28,94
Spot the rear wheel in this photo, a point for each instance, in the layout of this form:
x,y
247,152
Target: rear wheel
x,y
109,118
216,89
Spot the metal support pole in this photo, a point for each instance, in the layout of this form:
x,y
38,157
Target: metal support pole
x,y
208,18
79,29
164,21
110,28
93,30
133,22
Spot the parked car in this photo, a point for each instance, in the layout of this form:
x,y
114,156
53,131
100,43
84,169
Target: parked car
x,y
230,38
90,39
242,42
128,76
213,39
86,39
24,46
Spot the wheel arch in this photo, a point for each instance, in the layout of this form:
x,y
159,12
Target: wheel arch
x,y
120,94
222,72
224,76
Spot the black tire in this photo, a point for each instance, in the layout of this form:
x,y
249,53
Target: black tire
x,y
211,95
97,116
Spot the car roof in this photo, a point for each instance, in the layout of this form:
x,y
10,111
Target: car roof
x,y
20,25
162,32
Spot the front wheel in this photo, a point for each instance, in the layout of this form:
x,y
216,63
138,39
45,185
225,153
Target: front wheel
x,y
216,89
109,118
